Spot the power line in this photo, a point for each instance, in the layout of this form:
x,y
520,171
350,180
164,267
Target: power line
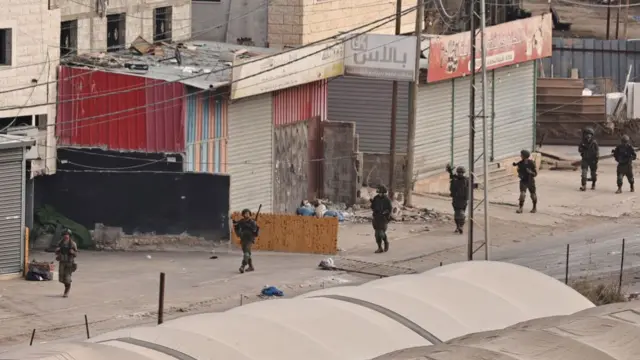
x,y
385,19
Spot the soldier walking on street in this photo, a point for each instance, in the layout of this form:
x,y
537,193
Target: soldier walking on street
x,y
247,230
66,253
624,155
382,207
527,173
590,152
459,189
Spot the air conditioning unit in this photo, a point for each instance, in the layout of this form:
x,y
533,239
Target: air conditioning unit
x,y
29,132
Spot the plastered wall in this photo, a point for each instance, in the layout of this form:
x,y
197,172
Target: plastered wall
x,y
92,29
292,233
297,22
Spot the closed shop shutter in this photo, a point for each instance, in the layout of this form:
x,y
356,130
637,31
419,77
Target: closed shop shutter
x,y
461,122
11,222
367,102
433,127
513,124
249,153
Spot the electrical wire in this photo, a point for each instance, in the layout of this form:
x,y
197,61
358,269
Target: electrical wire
x,y
339,42
193,35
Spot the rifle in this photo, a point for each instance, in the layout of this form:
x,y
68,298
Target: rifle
x,y
258,213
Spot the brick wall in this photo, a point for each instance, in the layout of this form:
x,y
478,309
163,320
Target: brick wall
x,y
92,29
297,22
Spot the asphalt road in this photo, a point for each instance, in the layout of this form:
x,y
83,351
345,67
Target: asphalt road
x,y
594,253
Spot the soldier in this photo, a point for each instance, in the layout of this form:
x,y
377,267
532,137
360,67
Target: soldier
x,y
382,207
624,155
590,152
459,189
247,230
527,173
66,253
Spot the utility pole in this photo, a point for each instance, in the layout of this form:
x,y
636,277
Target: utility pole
x,y
413,93
617,20
478,15
626,19
472,125
394,111
608,17
485,130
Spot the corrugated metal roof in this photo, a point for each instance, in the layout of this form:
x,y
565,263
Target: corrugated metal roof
x,y
198,57
358,323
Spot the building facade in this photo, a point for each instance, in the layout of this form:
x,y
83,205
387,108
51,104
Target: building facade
x,y
283,23
28,59
101,25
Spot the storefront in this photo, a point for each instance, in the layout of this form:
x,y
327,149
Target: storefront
x,y
12,210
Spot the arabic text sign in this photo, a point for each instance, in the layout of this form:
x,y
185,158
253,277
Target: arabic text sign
x,y
507,44
381,56
301,68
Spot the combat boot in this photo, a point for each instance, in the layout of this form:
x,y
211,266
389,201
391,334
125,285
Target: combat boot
x,y
67,288
250,268
244,263
386,245
632,188
619,191
593,185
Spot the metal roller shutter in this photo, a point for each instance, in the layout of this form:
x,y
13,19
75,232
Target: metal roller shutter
x,y
250,153
367,102
433,127
461,122
11,215
513,124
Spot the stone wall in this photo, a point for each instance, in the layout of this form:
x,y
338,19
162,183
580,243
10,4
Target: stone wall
x,y
342,163
290,167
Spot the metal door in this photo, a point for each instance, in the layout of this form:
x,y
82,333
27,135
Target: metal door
x,y
250,152
433,127
11,213
367,102
513,125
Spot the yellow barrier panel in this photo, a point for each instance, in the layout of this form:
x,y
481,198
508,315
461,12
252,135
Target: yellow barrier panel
x,y
26,251
293,233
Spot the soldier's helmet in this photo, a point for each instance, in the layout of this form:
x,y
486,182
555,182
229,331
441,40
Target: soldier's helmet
x,y
382,189
66,232
460,170
525,154
588,130
625,139
246,211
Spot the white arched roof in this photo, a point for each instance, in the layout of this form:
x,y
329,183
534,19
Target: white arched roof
x,y
610,332
360,322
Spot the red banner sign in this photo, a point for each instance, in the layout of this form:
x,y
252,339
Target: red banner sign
x,y
507,44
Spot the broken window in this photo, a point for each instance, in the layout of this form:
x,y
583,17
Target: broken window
x,y
162,24
68,37
6,45
116,32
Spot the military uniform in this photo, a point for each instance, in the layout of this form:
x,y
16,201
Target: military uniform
x,y
459,189
624,155
590,153
381,207
247,230
66,252
527,173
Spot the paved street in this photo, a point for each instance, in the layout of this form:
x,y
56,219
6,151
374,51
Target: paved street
x,y
120,289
